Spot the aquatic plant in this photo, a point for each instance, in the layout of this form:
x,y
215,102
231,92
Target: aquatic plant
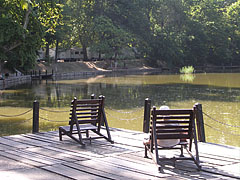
x,y
187,70
187,77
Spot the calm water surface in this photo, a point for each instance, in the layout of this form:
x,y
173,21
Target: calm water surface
x,y
219,95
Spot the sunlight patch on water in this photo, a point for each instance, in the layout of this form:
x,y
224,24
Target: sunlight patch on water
x,y
214,79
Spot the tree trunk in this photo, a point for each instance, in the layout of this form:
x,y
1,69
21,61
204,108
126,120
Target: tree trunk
x,y
85,56
47,52
56,51
115,60
115,56
99,56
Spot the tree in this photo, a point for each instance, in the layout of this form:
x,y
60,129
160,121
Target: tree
x,y
167,29
109,38
23,25
81,22
233,19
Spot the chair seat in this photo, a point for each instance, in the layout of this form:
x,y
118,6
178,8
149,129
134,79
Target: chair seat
x,y
83,127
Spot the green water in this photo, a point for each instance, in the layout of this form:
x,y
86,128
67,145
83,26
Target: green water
x,y
219,95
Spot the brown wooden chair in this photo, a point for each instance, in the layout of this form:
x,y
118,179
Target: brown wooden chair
x,y
85,115
178,124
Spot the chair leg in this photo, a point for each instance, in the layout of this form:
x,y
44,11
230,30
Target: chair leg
x,y
160,169
174,161
181,155
146,156
60,134
190,145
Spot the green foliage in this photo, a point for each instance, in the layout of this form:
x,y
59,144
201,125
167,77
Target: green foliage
x,y
23,25
173,31
187,70
109,38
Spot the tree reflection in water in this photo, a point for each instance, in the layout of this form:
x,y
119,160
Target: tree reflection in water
x,y
218,93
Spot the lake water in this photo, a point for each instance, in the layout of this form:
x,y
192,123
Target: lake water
x,y
219,95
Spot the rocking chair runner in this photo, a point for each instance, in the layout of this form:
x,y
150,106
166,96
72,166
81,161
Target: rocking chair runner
x,y
172,124
86,114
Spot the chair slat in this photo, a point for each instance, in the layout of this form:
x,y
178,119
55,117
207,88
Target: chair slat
x,y
87,105
171,127
89,112
88,101
172,117
173,136
87,109
173,112
84,117
172,130
173,122
85,113
92,121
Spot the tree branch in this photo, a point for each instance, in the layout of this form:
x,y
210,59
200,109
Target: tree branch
x,y
26,18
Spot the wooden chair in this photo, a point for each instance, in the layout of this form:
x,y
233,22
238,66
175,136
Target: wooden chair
x,y
85,115
168,125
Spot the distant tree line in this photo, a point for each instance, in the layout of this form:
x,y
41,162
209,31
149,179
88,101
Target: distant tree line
x,y
178,32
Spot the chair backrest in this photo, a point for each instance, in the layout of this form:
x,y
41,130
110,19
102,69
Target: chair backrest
x,y
86,111
173,123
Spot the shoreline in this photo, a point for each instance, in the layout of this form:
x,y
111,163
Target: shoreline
x,y
16,80
69,70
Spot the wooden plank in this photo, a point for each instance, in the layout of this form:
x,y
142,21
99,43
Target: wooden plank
x,y
220,150
53,137
33,157
172,121
76,154
125,148
128,142
131,166
87,109
82,127
55,154
84,113
26,140
41,157
89,101
6,141
10,164
48,139
108,170
77,148
215,160
134,136
72,172
21,159
30,173
103,170
138,157
174,112
4,147
80,116
231,170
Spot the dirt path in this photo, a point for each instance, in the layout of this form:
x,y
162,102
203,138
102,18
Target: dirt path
x,y
62,67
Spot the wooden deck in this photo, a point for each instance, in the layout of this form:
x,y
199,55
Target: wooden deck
x,y
43,156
